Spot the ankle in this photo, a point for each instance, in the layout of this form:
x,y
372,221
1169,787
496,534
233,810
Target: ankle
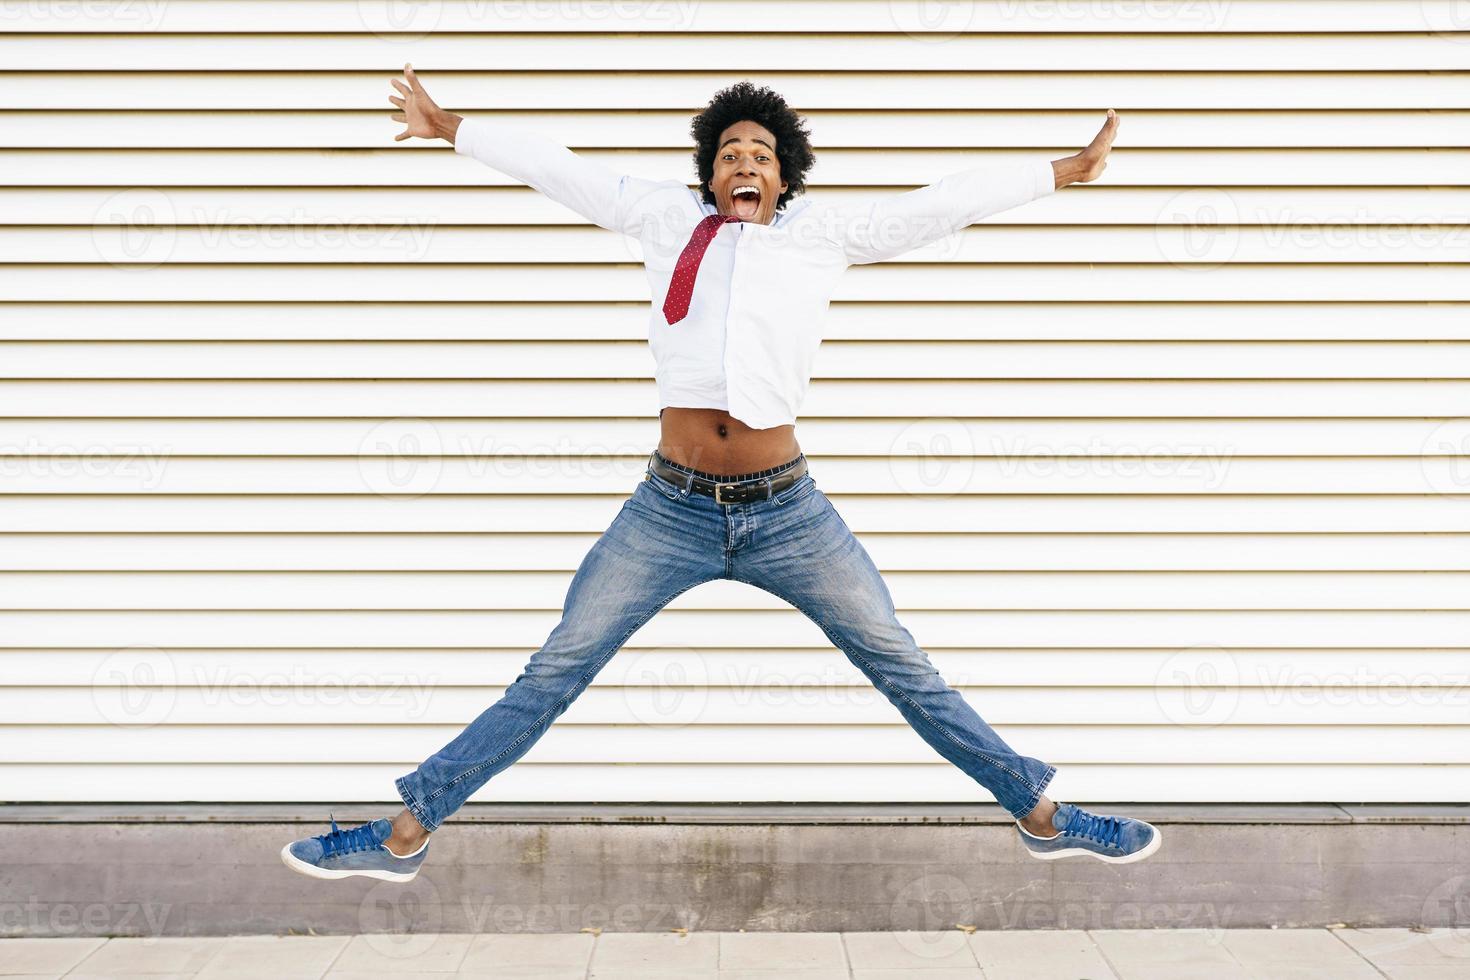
x,y
408,834
1038,821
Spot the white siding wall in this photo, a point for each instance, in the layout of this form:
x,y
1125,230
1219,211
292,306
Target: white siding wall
x,y
304,431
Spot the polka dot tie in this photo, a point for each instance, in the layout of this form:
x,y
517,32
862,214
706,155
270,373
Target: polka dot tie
x,y
681,287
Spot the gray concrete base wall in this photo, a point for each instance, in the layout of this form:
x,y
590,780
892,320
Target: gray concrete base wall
x,y
201,869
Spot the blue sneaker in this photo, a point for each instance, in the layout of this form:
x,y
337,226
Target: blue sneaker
x,y
358,851
1116,840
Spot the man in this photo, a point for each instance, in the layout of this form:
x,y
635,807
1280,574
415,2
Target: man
x,y
741,273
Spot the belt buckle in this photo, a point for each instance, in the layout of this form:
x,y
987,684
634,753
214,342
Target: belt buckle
x,y
723,486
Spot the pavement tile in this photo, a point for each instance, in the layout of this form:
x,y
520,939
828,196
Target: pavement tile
x,y
127,956
1169,954
403,953
1039,954
278,957
495,952
908,950
657,952
1403,947
782,951
44,956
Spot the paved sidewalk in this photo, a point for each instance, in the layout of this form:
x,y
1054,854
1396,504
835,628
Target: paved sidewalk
x,y
1101,954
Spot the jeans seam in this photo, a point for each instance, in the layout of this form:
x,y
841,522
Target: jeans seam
x,y
565,697
1036,789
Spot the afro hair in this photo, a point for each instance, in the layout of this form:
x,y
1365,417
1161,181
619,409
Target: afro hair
x,y
745,101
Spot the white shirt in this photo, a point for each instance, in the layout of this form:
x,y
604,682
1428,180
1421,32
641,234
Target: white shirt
x,y
758,312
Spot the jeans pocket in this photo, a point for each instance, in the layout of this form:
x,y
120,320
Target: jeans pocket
x,y
663,486
796,491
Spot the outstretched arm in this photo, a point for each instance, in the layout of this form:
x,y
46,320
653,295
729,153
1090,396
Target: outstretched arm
x,y
899,223
608,199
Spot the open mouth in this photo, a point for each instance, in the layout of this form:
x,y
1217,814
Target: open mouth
x,y
746,200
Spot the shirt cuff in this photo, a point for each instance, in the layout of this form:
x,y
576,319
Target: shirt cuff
x,y
464,136
1043,178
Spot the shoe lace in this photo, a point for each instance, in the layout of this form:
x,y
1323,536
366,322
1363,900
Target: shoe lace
x,y
1100,828
338,841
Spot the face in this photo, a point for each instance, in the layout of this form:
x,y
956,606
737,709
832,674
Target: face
x,y
747,176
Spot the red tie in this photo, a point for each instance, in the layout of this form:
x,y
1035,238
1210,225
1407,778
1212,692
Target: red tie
x,y
681,287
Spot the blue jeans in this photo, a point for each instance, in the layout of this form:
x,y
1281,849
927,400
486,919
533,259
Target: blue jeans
x,y
665,541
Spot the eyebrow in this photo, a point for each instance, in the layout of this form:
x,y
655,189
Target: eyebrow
x,y
755,139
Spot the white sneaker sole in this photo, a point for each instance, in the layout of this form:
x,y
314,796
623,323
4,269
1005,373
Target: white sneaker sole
x,y
1137,855
296,864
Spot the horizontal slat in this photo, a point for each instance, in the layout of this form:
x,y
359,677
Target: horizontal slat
x,y
897,358
833,398
668,130
467,628
360,704
337,783
384,241
437,165
910,590
847,320
364,551
153,469
881,282
897,50
313,675
1325,217
717,745
928,437
970,89
864,513
388,19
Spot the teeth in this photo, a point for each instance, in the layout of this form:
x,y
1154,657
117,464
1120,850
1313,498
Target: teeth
x,y
745,187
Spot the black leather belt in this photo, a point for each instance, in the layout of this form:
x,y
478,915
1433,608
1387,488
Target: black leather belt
x,y
739,492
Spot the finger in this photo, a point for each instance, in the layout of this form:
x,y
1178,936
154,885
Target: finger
x,y
401,87
412,78
395,100
398,117
401,136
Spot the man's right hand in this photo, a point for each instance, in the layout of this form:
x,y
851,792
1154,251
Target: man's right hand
x,y
422,117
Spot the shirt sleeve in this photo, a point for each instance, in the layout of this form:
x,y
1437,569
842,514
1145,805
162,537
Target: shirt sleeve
x,y
900,223
610,200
